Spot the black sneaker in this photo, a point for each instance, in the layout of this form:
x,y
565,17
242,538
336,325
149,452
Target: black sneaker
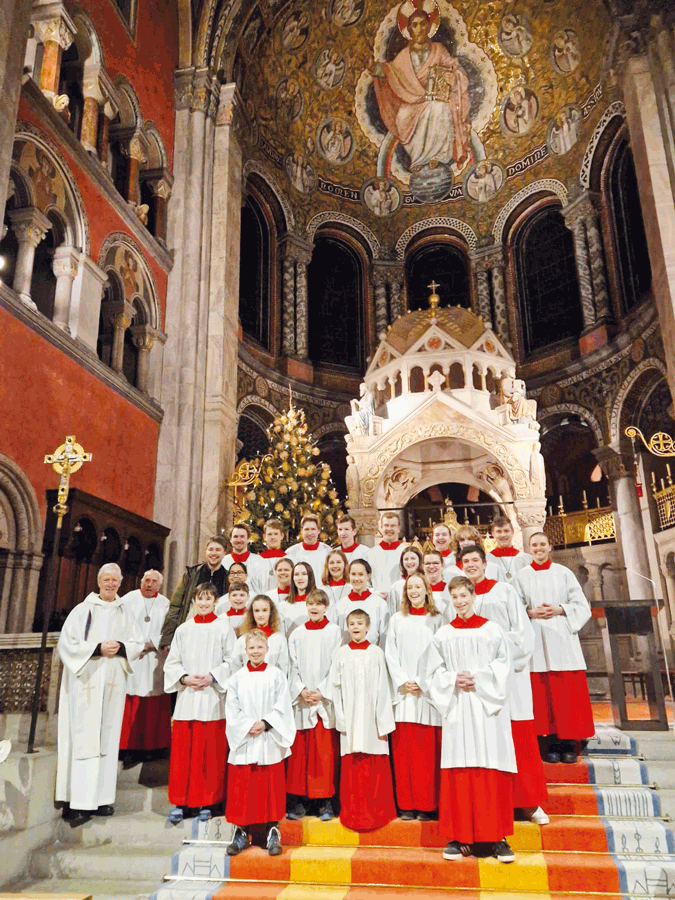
x,y
239,842
326,811
452,851
424,816
407,815
298,812
274,841
503,852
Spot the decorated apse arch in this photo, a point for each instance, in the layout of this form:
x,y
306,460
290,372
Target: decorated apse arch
x,y
376,109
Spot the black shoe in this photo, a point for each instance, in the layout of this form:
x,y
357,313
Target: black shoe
x,y
77,817
129,761
552,758
238,843
503,852
569,757
423,816
326,812
106,810
453,851
274,847
407,815
298,812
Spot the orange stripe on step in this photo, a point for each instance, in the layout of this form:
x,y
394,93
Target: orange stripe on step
x,y
586,874
256,863
418,867
248,892
396,833
384,893
562,833
567,773
567,800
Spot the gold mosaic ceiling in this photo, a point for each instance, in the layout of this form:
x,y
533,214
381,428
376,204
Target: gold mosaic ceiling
x,y
392,113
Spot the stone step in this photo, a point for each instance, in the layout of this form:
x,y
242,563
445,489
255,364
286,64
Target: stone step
x,y
655,744
99,889
135,798
600,770
149,774
107,861
608,740
140,829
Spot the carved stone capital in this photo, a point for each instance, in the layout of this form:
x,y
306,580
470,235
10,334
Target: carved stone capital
x,y
136,148
196,89
296,250
614,461
143,337
66,262
580,210
52,23
29,224
119,313
487,258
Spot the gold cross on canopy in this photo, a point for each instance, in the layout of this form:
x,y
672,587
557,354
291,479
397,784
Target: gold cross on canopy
x,y
66,460
433,286
434,299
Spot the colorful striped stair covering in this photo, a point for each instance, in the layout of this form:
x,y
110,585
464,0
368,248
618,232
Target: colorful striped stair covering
x,y
605,839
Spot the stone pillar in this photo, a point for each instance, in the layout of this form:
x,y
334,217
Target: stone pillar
x,y
651,137
136,153
301,305
14,26
395,291
64,267
380,290
574,215
144,339
30,227
480,268
161,189
94,101
56,30
596,258
530,515
501,322
121,320
288,304
616,462
85,302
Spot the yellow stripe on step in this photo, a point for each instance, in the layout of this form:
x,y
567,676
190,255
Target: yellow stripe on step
x,y
328,865
331,834
527,873
314,892
498,895
526,837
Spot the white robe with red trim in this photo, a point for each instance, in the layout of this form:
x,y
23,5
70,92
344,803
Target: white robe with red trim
x,y
408,637
311,652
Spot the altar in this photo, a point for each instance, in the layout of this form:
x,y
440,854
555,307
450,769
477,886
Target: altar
x,y
440,402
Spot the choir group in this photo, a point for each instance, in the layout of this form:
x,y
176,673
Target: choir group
x,y
369,682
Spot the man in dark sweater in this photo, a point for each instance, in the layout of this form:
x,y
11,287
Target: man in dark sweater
x,y
209,571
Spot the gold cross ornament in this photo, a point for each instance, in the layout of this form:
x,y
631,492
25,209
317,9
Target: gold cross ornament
x,y
66,460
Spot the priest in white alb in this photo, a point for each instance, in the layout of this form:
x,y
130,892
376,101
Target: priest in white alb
x,y
98,646
385,557
558,610
146,726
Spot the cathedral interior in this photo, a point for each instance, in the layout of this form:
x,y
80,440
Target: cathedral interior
x,y
213,205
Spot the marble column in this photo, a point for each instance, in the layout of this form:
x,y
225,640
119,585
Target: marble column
x,y
651,138
30,227
396,292
14,25
381,312
56,31
121,320
103,135
530,515
64,266
144,338
302,305
616,462
93,103
288,304
136,153
480,268
574,219
596,258
161,189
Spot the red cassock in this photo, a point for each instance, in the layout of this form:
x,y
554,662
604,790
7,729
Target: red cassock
x,y
416,754
313,766
476,805
200,749
255,794
366,792
147,723
562,705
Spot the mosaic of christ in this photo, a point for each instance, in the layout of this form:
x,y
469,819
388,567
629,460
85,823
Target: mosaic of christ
x,y
426,97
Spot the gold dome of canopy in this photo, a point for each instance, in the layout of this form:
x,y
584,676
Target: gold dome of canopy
x,y
376,109
457,322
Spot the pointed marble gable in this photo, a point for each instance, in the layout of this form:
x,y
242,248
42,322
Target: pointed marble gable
x,y
490,344
454,321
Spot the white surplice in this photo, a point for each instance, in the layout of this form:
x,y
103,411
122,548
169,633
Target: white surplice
x,y
336,593
295,614
502,604
234,618
408,637
376,608
361,693
395,596
557,647
277,652
256,572
91,702
385,565
477,723
315,558
200,648
360,552
147,678
311,652
251,697
505,568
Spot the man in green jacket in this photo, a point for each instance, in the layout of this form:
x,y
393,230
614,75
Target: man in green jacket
x,y
211,571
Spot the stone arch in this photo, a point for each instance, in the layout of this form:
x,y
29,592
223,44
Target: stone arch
x,y
157,155
588,164
461,228
129,105
342,219
254,167
20,548
543,186
638,385
52,184
122,254
574,408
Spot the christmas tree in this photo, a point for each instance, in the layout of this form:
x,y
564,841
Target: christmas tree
x,y
291,482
